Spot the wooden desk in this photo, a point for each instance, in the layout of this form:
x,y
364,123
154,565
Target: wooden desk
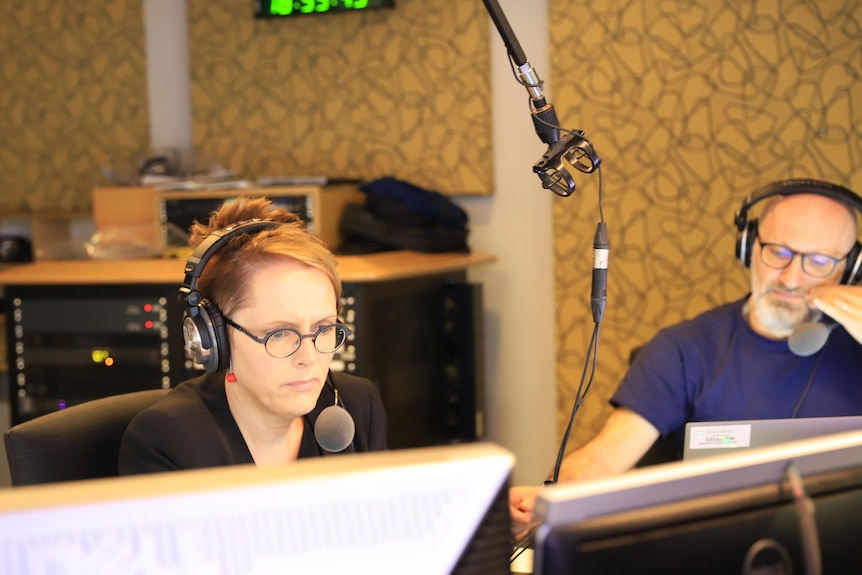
x,y
365,268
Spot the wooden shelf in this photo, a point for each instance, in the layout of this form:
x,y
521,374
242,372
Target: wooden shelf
x,y
45,215
361,268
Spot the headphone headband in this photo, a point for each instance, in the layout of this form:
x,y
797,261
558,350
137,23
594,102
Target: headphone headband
x,y
796,186
207,248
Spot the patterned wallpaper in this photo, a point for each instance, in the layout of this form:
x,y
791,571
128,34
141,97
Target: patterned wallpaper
x,y
691,105
400,92
73,98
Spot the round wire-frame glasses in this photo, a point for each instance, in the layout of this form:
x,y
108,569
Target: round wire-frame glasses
x,y
284,342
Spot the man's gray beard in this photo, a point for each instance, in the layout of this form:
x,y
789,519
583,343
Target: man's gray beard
x,y
782,316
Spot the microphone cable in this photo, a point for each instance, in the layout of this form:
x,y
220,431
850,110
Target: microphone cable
x,y
579,398
519,548
598,299
808,385
590,361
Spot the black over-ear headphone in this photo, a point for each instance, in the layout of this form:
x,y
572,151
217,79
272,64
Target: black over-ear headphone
x,y
203,326
747,230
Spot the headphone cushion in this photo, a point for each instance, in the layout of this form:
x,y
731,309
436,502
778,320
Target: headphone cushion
x,y
219,356
745,242
853,269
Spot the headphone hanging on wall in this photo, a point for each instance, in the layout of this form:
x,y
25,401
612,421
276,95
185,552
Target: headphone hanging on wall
x,y
747,230
204,329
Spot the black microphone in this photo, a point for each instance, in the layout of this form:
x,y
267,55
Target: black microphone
x,y
334,428
599,293
569,150
809,337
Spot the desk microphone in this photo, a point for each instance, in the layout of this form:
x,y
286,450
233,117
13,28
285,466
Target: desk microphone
x,y
809,337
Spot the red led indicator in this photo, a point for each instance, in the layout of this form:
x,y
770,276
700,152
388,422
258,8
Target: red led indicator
x,y
148,307
148,324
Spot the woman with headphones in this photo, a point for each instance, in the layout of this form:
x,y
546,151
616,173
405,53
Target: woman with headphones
x,y
262,298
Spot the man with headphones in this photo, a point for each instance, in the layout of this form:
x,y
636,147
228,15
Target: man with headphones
x,y
734,362
262,297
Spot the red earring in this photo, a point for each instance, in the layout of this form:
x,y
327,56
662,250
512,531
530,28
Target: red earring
x,y
231,378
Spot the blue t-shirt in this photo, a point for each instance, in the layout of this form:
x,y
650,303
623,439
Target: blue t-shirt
x,y
715,367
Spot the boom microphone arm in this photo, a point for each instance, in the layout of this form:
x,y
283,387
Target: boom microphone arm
x,y
571,149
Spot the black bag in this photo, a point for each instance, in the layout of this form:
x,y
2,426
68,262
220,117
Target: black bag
x,y
398,215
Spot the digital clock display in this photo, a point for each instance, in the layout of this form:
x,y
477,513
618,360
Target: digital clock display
x,y
279,8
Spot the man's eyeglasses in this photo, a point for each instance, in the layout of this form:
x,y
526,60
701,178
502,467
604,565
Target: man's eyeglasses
x,y
779,257
285,342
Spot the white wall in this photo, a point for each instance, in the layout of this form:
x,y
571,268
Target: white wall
x,y
515,224
169,88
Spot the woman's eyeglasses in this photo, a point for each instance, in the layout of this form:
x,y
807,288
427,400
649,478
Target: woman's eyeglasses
x,y
285,342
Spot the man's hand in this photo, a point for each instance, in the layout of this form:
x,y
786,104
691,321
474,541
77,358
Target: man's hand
x,y
842,303
522,499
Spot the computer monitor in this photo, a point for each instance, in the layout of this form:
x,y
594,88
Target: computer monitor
x,y
423,510
731,514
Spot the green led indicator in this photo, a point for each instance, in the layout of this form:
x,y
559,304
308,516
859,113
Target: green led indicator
x,y
294,7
